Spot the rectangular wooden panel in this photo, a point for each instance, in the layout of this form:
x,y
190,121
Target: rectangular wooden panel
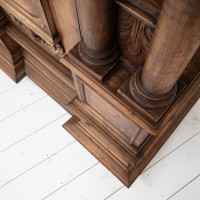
x,y
65,16
110,113
34,14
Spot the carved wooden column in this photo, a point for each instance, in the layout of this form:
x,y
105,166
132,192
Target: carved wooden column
x,y
175,41
98,28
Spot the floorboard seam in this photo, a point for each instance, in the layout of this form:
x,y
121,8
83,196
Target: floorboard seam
x,y
157,163
114,192
5,91
70,181
184,187
52,155
172,151
31,134
23,108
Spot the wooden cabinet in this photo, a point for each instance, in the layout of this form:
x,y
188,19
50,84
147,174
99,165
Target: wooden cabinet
x,y
34,14
127,70
39,19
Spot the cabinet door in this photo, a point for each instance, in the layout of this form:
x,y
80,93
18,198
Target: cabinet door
x,y
35,14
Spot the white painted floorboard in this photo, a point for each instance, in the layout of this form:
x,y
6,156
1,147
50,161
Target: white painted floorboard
x,y
40,160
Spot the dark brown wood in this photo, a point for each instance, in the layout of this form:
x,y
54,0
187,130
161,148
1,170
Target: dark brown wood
x,y
36,15
175,41
136,23
98,23
134,37
146,11
3,21
11,58
122,111
66,22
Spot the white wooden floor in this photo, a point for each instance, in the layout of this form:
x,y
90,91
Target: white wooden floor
x,y
40,160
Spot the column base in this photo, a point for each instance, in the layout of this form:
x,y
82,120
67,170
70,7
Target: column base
x,y
146,99
98,67
152,107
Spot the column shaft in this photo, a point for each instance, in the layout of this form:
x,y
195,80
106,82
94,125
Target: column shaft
x,y
175,41
98,23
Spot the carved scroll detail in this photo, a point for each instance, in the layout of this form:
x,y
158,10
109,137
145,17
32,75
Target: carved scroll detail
x,y
57,49
134,35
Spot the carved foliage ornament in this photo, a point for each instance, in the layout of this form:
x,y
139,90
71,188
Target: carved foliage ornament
x,y
134,34
57,49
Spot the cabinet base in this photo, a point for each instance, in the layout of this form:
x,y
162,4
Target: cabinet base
x,y
103,146
106,136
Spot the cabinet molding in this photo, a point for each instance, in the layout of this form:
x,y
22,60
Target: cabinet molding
x,y
116,66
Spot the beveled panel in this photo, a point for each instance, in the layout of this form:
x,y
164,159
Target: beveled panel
x,y
34,14
111,113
